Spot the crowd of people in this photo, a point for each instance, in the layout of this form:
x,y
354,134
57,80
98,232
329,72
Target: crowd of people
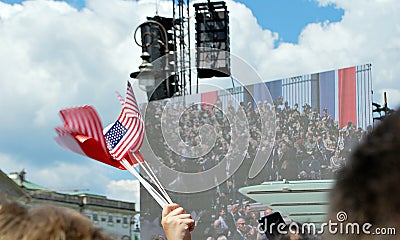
x,y
362,190
362,183
309,145
304,144
299,144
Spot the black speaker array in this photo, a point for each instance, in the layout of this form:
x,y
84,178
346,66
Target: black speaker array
x,y
212,40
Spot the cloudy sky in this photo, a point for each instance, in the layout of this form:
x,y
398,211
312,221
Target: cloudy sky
x,y
58,54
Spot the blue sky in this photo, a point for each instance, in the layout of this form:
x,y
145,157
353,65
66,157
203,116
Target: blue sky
x,y
289,17
54,56
79,4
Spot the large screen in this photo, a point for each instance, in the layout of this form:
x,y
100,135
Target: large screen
x,y
205,147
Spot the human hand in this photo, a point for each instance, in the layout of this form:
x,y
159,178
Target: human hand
x,y
177,224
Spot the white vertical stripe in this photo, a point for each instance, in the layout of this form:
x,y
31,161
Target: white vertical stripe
x,y
336,95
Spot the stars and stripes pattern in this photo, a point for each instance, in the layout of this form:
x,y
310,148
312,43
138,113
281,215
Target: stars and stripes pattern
x,y
127,133
82,133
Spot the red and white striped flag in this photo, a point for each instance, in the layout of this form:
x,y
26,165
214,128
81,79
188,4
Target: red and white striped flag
x,y
127,133
83,121
82,133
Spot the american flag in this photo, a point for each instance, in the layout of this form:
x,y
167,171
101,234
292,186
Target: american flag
x,y
82,133
127,133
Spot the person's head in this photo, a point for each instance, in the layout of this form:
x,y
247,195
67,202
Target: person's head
x,y
221,212
240,208
234,208
229,182
247,209
349,124
222,237
337,153
309,137
367,188
283,145
267,211
241,224
157,237
46,222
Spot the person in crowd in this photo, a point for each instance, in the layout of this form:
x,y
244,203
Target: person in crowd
x,y
240,212
287,160
240,233
366,188
157,237
247,212
231,217
321,152
336,162
218,230
223,228
222,237
17,221
350,141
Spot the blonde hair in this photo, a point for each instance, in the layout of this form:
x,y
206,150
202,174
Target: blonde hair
x,y
46,222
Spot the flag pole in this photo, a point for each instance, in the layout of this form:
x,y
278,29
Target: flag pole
x,y
152,176
160,200
151,171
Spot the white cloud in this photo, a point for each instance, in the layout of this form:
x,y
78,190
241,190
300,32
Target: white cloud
x,y
369,32
61,175
125,190
248,39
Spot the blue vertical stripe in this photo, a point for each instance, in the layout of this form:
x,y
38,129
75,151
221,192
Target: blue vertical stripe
x,y
275,88
260,94
327,92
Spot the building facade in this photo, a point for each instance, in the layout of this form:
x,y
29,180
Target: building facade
x,y
118,218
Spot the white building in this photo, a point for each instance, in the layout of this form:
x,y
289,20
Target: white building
x,y
115,217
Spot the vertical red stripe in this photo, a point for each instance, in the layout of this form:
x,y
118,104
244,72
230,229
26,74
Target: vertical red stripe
x,y
347,96
209,99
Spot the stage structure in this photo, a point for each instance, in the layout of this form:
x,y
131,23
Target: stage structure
x,y
166,70
165,42
212,40
157,42
381,112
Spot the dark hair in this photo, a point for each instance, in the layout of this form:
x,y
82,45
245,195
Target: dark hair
x,y
367,188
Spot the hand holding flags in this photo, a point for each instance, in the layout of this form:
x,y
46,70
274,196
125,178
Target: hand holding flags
x,y
119,146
